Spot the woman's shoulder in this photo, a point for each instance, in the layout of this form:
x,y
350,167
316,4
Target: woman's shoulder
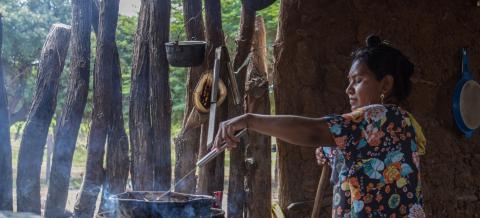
x,y
379,107
376,112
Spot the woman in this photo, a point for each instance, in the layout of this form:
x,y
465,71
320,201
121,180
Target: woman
x,y
378,141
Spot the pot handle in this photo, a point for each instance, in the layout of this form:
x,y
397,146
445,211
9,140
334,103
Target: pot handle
x,y
177,47
465,71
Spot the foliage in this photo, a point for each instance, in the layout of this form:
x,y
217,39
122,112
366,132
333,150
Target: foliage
x,y
27,22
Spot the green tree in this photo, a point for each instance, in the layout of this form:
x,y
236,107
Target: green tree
x,y
26,24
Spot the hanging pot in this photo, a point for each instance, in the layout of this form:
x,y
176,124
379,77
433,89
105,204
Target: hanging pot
x,y
185,53
466,101
258,5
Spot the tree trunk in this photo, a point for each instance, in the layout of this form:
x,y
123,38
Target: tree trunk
x,y
195,30
6,202
139,122
117,144
69,123
160,98
102,108
187,142
298,172
236,186
258,157
95,15
30,156
214,172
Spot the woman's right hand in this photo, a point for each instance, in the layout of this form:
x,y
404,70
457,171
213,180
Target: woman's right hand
x,y
321,158
227,129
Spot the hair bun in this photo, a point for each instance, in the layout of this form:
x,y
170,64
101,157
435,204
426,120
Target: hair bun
x,y
373,41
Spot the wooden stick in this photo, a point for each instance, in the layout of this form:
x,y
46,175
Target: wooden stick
x,y
321,191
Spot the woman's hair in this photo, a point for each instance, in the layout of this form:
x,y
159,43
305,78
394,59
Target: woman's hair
x,y
382,59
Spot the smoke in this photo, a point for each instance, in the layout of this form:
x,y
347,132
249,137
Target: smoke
x,y
109,203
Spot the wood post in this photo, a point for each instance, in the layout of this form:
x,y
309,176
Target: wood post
x,y
160,99
30,157
236,186
6,202
117,142
258,153
72,113
187,143
139,122
102,109
214,172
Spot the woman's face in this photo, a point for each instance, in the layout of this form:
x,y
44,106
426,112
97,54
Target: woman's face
x,y
363,88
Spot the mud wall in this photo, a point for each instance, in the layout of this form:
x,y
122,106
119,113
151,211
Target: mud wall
x,y
312,55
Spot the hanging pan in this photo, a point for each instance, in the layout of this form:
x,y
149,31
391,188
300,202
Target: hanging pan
x,y
466,100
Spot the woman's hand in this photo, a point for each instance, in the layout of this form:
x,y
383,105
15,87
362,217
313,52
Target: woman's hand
x,y
321,158
227,129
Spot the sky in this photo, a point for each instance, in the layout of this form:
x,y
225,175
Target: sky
x,y
129,7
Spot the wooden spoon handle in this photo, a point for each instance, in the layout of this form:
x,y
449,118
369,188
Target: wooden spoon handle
x,y
321,191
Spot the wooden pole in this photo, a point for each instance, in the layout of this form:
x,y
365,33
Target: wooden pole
x,y
6,194
322,184
102,109
117,142
258,152
30,156
160,99
72,113
214,173
139,112
187,143
236,183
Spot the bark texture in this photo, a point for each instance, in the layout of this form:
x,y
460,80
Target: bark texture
x,y
6,202
236,186
188,141
72,112
150,103
214,171
195,30
117,144
102,109
312,82
258,152
160,98
52,59
139,122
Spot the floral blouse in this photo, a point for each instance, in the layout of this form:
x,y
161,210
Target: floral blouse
x,y
376,171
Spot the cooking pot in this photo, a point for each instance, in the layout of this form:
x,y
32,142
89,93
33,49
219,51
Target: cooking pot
x,y
185,53
161,205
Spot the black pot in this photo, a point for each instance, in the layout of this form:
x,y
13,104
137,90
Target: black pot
x,y
258,5
149,204
185,53
218,213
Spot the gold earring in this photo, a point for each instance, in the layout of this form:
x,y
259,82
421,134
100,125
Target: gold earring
x,y
382,96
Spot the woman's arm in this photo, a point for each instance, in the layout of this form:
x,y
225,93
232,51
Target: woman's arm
x,y
296,130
